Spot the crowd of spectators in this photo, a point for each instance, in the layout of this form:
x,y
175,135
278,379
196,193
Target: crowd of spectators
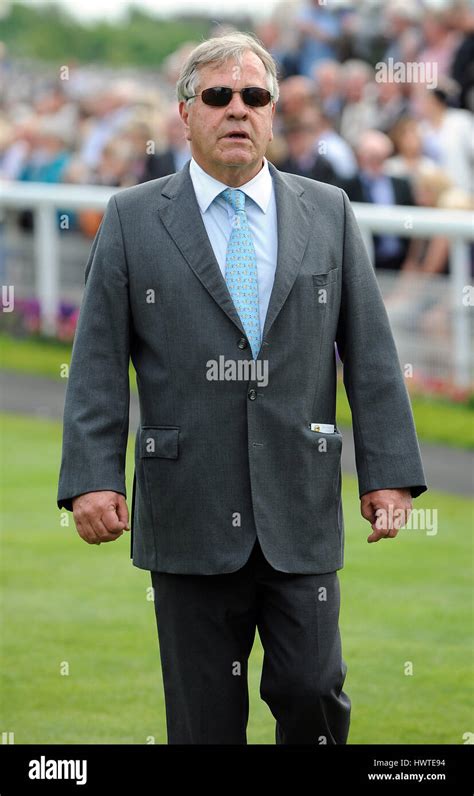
x,y
340,118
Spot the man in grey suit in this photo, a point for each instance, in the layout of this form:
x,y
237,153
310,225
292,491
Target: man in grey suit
x,y
229,284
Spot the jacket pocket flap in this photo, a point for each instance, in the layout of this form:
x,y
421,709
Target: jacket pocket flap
x,y
324,279
159,441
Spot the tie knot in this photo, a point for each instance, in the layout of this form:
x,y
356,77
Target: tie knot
x,y
235,197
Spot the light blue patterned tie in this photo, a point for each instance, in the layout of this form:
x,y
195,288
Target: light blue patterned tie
x,y
241,269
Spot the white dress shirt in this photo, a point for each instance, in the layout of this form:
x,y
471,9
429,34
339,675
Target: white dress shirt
x,y
260,206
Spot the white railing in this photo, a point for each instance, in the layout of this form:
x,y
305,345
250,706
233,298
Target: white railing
x,y
457,225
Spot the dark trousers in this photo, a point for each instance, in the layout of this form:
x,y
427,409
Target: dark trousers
x,y
206,629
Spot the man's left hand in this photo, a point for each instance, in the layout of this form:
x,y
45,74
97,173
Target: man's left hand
x,y
387,510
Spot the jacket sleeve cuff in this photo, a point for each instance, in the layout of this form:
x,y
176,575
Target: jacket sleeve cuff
x,y
66,503
415,491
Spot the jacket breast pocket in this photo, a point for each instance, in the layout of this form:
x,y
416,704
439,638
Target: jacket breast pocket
x,y
325,279
160,442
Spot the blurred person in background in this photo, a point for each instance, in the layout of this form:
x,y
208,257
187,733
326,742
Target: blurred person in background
x,y
53,104
115,166
111,111
372,184
295,93
335,149
139,134
356,37
401,28
453,199
362,25
462,64
408,158
176,154
328,79
440,40
418,296
303,158
390,104
447,132
269,34
359,92
319,29
49,154
47,161
18,143
171,66
429,256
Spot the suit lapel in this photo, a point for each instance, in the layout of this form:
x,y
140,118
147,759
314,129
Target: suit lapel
x,y
181,216
293,223
179,211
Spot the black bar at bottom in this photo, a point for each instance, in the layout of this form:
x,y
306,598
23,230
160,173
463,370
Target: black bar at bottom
x,y
143,768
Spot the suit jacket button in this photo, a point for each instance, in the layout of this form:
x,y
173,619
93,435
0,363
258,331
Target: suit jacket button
x,y
242,343
252,394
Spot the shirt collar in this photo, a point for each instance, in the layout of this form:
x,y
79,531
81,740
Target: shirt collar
x,y
206,188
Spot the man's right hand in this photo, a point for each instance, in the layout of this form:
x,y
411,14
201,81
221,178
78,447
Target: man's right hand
x,y
100,516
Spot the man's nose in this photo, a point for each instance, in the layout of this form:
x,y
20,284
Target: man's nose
x,y
236,107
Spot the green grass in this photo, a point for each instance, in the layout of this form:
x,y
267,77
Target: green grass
x,y
62,600
39,357
436,420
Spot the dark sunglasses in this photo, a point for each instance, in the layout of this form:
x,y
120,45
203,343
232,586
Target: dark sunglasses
x,y
220,96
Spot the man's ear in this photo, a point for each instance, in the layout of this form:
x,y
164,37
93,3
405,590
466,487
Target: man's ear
x,y
184,113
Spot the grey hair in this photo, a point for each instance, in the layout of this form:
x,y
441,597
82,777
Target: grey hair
x,y
219,50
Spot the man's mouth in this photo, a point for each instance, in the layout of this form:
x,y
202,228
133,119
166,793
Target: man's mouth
x,y
237,134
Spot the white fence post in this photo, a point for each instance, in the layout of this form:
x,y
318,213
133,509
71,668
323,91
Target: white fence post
x,y
47,266
460,279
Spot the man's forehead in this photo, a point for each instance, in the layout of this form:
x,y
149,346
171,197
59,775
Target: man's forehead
x,y
232,70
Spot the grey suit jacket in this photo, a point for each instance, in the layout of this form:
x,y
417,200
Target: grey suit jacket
x,y
219,461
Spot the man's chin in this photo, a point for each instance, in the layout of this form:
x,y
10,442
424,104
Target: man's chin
x,y
235,154
236,159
